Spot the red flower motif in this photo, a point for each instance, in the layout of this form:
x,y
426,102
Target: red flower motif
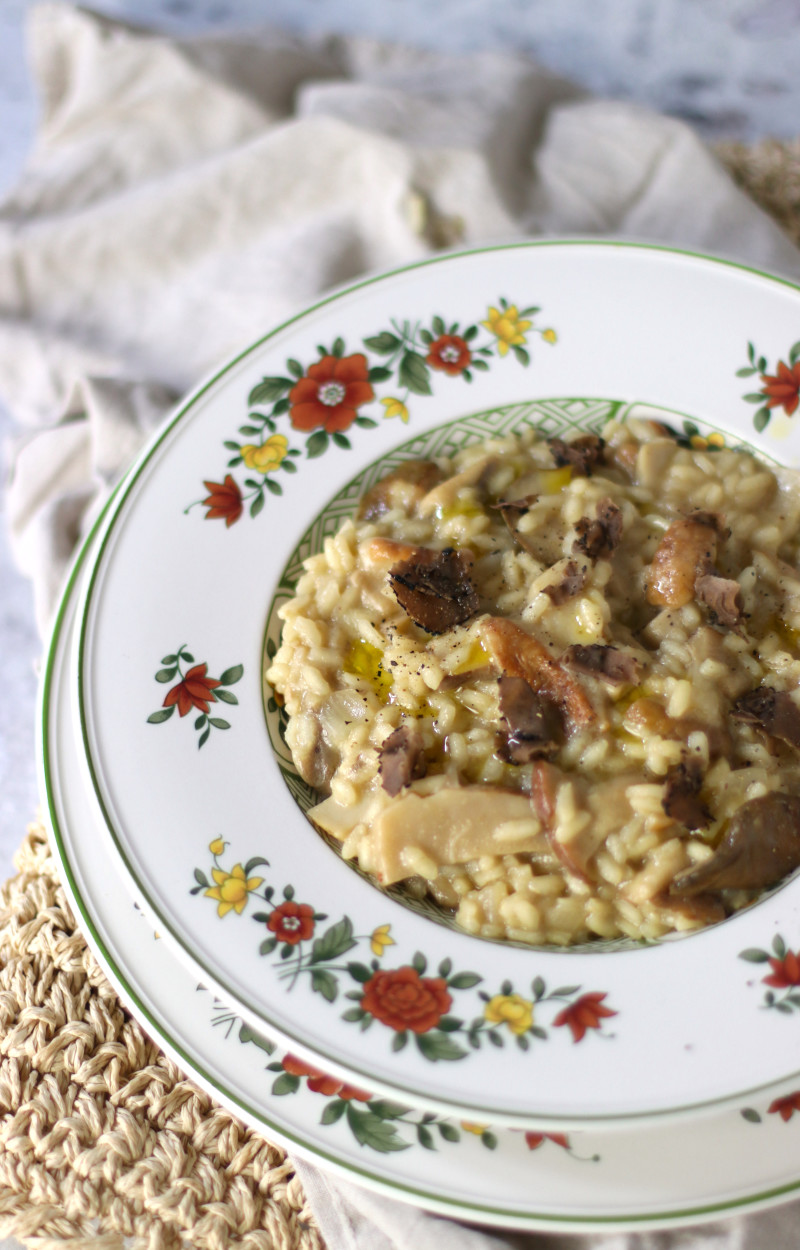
x,y
224,500
587,1012
534,1140
449,352
320,1083
785,972
785,1107
330,393
402,999
292,922
783,388
196,690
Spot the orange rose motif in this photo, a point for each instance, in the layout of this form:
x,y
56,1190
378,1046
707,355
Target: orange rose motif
x,y
785,1107
785,972
196,690
783,388
401,999
224,500
319,1083
450,353
330,393
587,1012
534,1140
292,922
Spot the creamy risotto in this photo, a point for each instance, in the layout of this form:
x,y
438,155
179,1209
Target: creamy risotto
x,y
555,685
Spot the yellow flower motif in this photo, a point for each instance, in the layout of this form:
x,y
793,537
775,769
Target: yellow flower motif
x,y
512,1010
268,456
232,889
395,408
216,847
507,326
477,1129
549,336
700,441
380,939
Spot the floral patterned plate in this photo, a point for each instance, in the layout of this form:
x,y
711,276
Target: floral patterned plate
x,y
578,1181
201,806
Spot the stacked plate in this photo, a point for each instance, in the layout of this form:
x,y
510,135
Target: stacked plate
x,y
530,1088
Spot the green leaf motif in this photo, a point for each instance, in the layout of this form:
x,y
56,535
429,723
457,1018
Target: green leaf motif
x,y
317,444
746,373
370,1130
203,739
164,713
325,983
386,1110
165,674
425,1137
246,1034
232,675
272,486
171,659
360,972
257,505
333,1111
438,1046
464,980
218,722
779,946
751,1115
338,347
334,942
761,419
754,397
379,373
384,343
286,1084
794,353
341,440
200,878
414,373
269,389
449,1131
226,696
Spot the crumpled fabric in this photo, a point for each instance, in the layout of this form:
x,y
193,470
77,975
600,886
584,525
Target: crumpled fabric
x,y
185,195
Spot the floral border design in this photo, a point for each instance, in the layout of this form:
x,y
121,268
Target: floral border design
x,y
324,399
195,689
780,389
405,999
783,977
785,1107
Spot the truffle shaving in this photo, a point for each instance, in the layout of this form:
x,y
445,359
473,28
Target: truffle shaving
x,y
532,723
582,454
774,711
401,759
597,539
682,800
616,667
435,588
722,596
572,582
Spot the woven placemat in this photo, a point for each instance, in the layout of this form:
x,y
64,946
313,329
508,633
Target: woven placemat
x,y
101,1136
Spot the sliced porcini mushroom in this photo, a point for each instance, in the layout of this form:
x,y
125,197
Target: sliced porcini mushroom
x,y
774,711
617,668
511,511
446,493
681,800
545,780
519,654
402,488
686,552
761,846
401,759
597,539
435,588
387,551
581,454
646,717
723,598
532,725
595,814
704,909
572,581
450,826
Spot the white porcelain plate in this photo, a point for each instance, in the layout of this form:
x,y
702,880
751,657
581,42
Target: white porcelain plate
x,y
200,802
666,1176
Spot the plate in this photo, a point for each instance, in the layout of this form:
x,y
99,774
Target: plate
x,y
198,797
642,1178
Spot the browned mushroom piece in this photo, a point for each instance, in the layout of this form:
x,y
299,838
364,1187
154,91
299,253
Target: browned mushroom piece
x,y
511,510
401,759
435,588
682,800
686,552
611,665
761,847
774,711
401,488
597,539
572,582
532,724
722,596
646,716
582,454
519,654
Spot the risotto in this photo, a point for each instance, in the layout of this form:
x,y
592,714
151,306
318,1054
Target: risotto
x,y
555,685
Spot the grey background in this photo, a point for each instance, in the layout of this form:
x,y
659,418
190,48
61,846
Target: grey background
x,y
728,66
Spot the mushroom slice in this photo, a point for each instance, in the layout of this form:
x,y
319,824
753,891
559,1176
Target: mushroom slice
x,y
511,510
686,552
532,723
722,596
402,488
435,588
761,846
572,581
645,716
774,711
519,654
450,826
611,665
401,759
597,539
582,454
682,800
446,493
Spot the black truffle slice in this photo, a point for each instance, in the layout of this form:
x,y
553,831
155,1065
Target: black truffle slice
x,y
582,454
616,667
597,539
532,724
682,800
435,589
401,759
572,582
774,711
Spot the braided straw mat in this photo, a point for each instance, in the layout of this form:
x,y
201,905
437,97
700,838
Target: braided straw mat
x,y
101,1136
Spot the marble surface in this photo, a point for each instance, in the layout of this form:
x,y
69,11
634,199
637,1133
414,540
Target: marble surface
x,y
728,66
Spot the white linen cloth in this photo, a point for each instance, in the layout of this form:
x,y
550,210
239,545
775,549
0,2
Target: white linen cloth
x,y
184,195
